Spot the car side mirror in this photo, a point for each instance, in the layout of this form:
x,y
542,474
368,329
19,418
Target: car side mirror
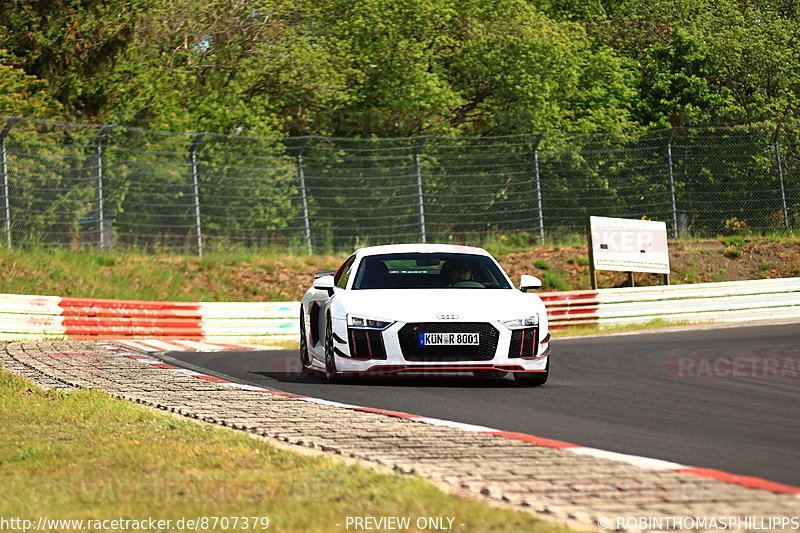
x,y
527,282
325,283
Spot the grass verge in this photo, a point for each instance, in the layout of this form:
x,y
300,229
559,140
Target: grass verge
x,y
596,329
84,455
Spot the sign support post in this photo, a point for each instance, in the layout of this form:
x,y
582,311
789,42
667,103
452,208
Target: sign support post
x,y
592,271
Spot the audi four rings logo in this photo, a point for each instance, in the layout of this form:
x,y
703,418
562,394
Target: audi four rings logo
x,y
447,317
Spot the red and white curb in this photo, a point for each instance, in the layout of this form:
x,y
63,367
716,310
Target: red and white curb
x,y
635,460
156,345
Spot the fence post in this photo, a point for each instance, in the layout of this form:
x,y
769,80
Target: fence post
x,y
98,166
301,179
780,178
672,187
538,187
4,176
198,139
417,150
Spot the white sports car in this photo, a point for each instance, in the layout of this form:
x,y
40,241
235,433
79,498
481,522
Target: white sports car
x,y
424,308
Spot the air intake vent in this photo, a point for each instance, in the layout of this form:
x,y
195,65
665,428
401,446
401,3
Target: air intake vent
x,y
366,344
523,343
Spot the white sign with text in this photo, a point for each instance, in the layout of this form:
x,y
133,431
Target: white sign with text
x,y
629,245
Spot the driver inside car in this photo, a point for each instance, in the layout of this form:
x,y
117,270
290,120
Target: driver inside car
x,y
459,274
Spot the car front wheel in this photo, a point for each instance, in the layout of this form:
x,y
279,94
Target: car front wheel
x,y
533,379
305,360
330,360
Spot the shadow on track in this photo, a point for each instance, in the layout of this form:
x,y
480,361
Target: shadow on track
x,y
454,380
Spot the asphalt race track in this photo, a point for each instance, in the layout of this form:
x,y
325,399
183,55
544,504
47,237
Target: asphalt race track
x,y
696,397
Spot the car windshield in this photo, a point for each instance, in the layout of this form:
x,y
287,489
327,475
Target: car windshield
x,y
429,271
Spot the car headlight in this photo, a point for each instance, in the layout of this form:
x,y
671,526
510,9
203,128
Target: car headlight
x,y
367,323
526,322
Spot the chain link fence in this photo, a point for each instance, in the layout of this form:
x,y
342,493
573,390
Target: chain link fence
x,y
109,186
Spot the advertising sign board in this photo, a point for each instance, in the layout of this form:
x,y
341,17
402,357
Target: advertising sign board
x,y
628,245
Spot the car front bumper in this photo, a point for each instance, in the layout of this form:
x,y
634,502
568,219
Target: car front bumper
x,y
391,351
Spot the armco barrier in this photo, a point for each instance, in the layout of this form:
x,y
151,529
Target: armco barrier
x,y
728,301
51,317
37,317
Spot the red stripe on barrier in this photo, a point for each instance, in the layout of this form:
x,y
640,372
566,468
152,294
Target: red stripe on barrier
x,y
77,321
133,330
86,310
118,337
88,307
131,304
565,296
745,481
100,317
576,312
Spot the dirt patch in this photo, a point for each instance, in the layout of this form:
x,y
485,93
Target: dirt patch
x,y
250,277
690,262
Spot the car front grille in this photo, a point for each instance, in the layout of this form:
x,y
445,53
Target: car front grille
x,y
412,351
523,343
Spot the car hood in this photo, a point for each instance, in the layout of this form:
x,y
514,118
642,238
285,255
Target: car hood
x,y
425,305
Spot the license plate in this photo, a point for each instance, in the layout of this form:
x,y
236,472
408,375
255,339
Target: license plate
x,y
449,339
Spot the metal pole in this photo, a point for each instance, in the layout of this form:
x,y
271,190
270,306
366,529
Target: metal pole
x,y
672,188
4,176
98,165
538,188
302,183
590,245
417,149
198,138
780,178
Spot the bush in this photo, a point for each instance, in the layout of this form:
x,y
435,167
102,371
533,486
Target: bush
x,y
551,280
733,240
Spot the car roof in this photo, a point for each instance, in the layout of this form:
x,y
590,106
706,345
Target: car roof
x,y
421,248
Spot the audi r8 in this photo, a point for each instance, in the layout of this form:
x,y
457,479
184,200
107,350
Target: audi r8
x,y
424,308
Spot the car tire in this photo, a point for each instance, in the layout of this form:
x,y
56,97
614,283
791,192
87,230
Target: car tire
x,y
305,359
330,359
533,379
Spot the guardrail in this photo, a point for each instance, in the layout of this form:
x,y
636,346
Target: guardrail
x,y
728,301
52,317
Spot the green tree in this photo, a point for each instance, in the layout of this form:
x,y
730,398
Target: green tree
x,y
71,44
22,94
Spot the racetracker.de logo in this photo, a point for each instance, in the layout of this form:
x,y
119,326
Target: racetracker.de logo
x,y
726,367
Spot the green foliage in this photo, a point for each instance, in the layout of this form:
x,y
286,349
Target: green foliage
x,y
733,240
400,68
688,275
72,44
22,94
551,280
732,252
541,264
578,260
